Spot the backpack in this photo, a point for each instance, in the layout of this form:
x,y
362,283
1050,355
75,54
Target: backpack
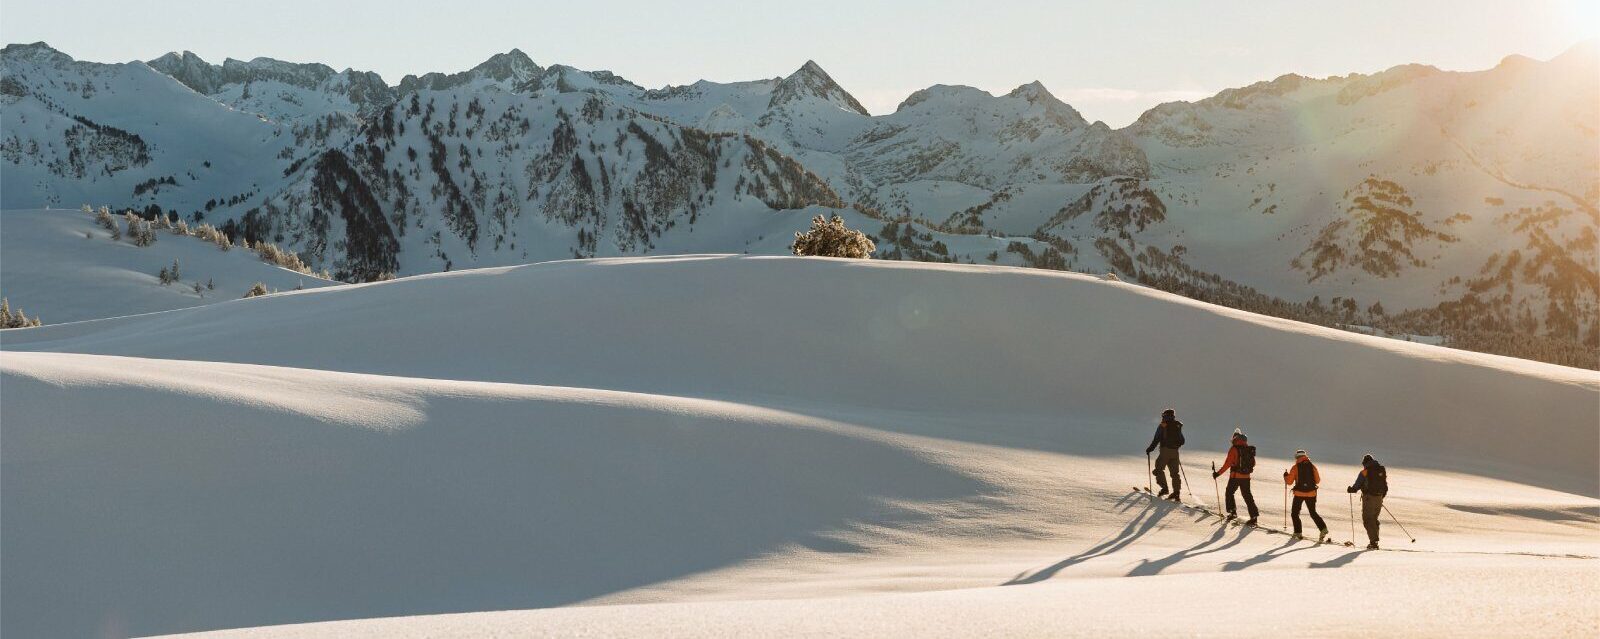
x,y
1247,460
1377,480
1172,436
1305,479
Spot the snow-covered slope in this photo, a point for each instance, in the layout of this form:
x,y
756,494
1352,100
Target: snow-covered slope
x,y
726,430
126,135
454,178
1460,202
60,266
1407,187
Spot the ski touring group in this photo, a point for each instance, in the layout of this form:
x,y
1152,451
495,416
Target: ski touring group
x,y
1301,479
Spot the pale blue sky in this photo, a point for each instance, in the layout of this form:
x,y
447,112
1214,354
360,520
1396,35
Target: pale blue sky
x,y
1112,60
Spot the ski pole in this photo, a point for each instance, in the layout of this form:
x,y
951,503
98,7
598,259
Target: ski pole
x,y
1285,506
1186,482
1147,473
1214,485
1352,517
1397,523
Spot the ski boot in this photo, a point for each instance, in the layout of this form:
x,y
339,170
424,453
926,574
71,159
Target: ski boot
x,y
1177,499
1230,517
1322,536
1297,537
1372,546
1162,492
1251,522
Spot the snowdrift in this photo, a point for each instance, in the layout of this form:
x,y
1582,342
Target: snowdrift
x,y
710,431
207,496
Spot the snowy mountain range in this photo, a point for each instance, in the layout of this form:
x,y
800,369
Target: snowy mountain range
x,y
1455,201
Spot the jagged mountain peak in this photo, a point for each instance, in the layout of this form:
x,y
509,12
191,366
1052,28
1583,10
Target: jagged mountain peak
x,y
36,52
510,69
511,65
207,78
1032,91
190,70
1035,93
176,56
811,81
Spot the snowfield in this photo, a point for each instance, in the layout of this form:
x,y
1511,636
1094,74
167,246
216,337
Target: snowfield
x,y
719,445
60,266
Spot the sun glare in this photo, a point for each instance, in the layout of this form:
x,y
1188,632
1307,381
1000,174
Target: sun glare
x,y
1585,18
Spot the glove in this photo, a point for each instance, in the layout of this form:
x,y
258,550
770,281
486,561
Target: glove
x,y
1147,450
1215,475
1351,489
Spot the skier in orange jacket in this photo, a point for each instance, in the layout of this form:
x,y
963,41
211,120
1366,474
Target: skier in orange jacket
x,y
1242,460
1303,476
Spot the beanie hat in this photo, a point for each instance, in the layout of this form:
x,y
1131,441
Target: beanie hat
x,y
1299,453
1238,434
1168,413
1367,458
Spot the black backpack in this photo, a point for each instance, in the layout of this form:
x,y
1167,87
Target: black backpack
x,y
1172,436
1247,459
1377,480
1305,479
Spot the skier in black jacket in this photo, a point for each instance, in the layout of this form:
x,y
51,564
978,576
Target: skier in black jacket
x,y
1373,482
1169,437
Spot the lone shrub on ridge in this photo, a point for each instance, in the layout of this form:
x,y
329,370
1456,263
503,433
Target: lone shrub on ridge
x,y
830,238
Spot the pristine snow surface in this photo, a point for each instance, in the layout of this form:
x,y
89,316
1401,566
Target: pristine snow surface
x,y
736,446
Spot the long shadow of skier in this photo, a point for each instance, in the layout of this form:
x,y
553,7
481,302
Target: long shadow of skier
x,y
1336,562
1136,528
1265,557
1148,567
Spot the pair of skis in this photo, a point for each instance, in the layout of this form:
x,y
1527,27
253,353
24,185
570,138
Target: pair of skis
x,y
1235,522
1190,507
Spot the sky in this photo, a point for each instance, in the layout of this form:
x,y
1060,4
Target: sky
x,y
1110,60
